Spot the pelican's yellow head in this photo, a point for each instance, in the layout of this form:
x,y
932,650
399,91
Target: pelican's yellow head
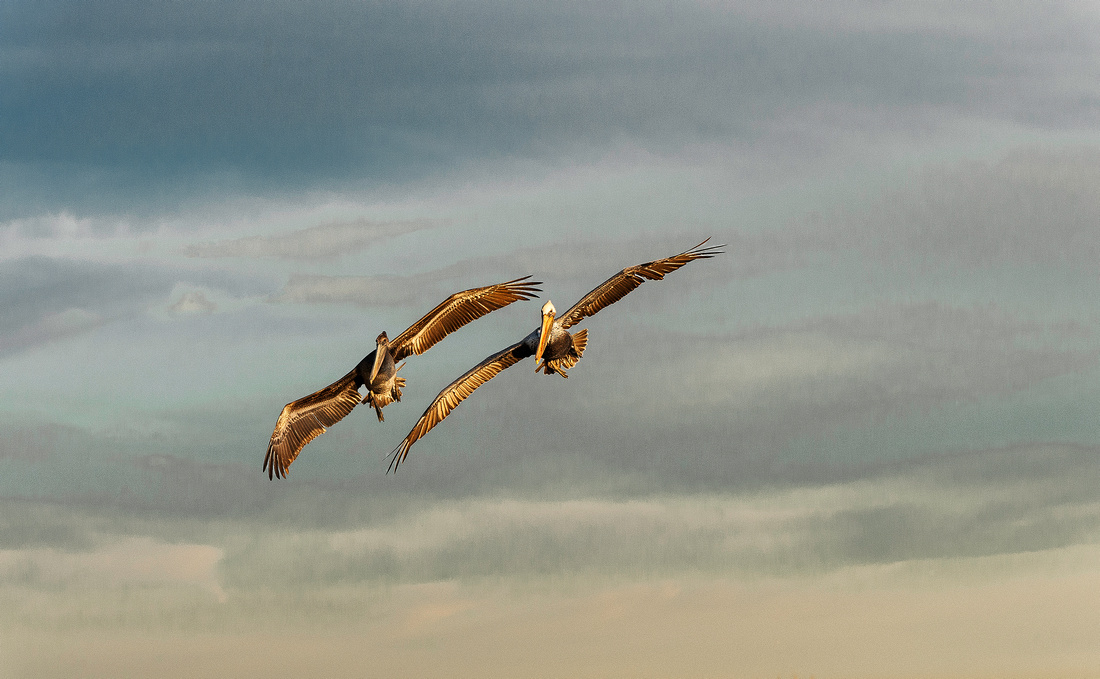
x,y
548,313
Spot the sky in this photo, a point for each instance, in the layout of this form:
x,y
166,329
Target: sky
x,y
862,442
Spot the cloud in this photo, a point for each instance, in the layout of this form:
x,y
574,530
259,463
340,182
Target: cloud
x,y
50,327
175,485
1034,620
61,225
118,563
433,286
54,293
35,443
363,291
192,303
50,298
971,504
176,104
1030,207
940,16
976,540
962,506
564,261
318,242
568,268
941,351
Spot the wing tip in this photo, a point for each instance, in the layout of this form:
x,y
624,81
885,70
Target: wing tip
x,y
521,287
398,455
275,470
269,461
700,252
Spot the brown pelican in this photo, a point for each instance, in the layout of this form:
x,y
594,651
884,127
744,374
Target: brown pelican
x,y
305,419
555,348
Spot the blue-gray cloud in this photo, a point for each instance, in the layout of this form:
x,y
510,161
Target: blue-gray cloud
x,y
566,266
1033,206
169,99
45,298
48,298
193,303
318,242
967,504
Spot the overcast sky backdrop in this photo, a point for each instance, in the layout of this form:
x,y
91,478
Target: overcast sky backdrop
x,y
863,442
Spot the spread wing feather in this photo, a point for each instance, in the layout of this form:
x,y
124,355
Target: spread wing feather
x,y
457,392
305,419
458,310
622,283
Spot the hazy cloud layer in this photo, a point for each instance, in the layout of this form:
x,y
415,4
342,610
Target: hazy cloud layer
x,y
193,303
364,291
318,242
850,624
46,299
986,503
948,508
246,94
49,298
130,561
59,225
36,443
569,264
1031,207
50,327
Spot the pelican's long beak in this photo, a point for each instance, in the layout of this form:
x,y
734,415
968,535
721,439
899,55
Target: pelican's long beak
x,y
544,336
379,353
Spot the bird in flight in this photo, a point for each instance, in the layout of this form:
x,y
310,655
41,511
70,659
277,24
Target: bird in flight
x,y
305,419
555,348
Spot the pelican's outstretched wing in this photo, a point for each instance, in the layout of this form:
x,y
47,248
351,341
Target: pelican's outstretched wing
x,y
306,419
622,283
456,393
458,310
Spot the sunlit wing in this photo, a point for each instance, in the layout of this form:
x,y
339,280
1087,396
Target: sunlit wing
x,y
622,283
306,419
458,310
456,393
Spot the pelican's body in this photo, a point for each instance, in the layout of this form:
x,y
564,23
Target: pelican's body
x,y
554,347
386,386
378,371
305,419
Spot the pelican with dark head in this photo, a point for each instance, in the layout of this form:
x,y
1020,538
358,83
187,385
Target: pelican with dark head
x,y
305,419
383,384
381,351
555,348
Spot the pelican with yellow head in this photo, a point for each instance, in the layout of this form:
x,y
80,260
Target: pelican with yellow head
x,y
554,347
